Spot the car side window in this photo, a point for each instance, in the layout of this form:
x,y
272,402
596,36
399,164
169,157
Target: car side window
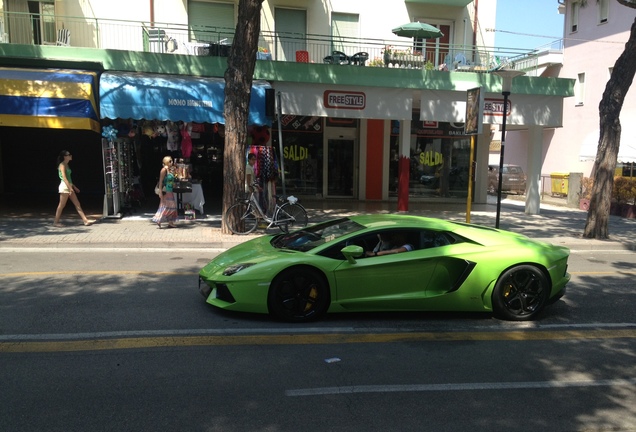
x,y
431,239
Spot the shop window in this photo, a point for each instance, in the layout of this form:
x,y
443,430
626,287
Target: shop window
x,y
439,160
302,156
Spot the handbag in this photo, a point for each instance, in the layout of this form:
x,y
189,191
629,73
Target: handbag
x,y
157,191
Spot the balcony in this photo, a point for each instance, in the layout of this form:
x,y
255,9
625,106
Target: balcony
x,y
170,39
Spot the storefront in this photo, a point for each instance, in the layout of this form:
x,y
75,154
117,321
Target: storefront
x,y
523,111
149,116
327,134
42,112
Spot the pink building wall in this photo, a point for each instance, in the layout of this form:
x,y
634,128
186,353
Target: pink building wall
x,y
591,50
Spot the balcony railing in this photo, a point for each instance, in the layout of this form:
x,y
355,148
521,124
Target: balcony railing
x,y
170,38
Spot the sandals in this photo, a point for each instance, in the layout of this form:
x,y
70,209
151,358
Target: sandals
x,y
90,222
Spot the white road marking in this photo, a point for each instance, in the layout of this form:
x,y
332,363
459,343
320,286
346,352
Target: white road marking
x,y
319,391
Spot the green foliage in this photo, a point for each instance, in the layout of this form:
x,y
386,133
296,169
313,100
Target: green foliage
x,y
376,62
624,191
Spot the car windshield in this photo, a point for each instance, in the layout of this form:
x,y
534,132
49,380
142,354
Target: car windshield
x,y
315,235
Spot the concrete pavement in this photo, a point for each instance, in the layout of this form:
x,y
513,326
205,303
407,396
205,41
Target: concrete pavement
x,y
555,224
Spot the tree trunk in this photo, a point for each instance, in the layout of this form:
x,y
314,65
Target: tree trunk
x,y
238,86
609,140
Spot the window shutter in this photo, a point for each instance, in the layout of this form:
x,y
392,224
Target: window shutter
x,y
211,22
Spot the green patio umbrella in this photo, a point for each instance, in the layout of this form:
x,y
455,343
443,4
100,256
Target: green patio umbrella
x,y
418,30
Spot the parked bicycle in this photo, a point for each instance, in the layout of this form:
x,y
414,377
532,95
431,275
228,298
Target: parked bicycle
x,y
247,213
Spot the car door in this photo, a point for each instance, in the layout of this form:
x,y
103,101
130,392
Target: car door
x,y
386,282
389,282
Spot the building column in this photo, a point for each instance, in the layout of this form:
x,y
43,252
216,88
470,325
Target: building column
x,y
404,167
535,154
482,152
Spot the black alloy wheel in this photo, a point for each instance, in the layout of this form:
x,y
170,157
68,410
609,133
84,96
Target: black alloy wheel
x,y
299,294
521,293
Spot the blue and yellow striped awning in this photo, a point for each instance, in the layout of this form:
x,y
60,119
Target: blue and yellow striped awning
x,y
48,98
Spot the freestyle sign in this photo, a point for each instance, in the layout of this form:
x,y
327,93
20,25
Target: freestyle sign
x,y
190,103
345,99
495,107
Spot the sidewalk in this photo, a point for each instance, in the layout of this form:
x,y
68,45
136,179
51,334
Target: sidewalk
x,y
555,224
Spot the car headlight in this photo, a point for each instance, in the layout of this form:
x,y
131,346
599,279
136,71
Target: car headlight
x,y
229,271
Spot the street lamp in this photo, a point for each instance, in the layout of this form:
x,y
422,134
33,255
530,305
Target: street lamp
x,y
507,76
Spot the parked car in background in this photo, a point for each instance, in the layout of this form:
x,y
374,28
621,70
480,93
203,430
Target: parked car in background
x,y
514,179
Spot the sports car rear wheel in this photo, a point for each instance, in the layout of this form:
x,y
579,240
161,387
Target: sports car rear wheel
x,y
298,295
520,293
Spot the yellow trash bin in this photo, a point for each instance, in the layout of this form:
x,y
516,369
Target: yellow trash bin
x,y
559,183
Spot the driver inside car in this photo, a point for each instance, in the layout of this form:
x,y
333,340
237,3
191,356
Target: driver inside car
x,y
390,243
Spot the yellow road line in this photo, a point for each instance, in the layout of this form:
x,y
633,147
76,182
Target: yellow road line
x,y
313,339
95,272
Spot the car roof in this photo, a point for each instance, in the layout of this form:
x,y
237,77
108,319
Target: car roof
x,y
484,235
374,221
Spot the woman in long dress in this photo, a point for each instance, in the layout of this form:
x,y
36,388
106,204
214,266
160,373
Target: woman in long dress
x,y
167,211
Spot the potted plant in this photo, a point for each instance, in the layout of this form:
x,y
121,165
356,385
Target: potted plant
x,y
387,55
376,62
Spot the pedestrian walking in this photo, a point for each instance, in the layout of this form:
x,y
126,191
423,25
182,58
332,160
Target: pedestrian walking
x,y
67,190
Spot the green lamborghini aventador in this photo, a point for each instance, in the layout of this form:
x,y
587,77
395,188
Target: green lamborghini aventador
x,y
344,265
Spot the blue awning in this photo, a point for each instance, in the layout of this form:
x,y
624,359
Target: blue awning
x,y
48,98
172,97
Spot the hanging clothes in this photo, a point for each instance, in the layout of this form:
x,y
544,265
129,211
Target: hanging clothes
x,y
265,173
186,140
173,136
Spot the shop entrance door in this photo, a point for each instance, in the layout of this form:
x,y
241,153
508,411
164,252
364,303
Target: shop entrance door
x,y
341,162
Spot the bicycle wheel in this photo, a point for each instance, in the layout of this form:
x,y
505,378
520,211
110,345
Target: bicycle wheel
x,y
290,216
240,218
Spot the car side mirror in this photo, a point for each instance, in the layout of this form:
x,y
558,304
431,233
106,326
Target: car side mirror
x,y
352,252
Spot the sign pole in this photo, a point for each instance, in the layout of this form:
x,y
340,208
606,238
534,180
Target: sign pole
x,y
472,127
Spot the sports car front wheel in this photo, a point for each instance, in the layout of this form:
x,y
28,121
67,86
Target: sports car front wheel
x,y
520,293
298,295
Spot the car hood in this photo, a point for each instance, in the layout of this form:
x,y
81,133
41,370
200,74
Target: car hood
x,y
253,251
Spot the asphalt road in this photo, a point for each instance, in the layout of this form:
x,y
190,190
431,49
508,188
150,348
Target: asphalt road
x,y
119,340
